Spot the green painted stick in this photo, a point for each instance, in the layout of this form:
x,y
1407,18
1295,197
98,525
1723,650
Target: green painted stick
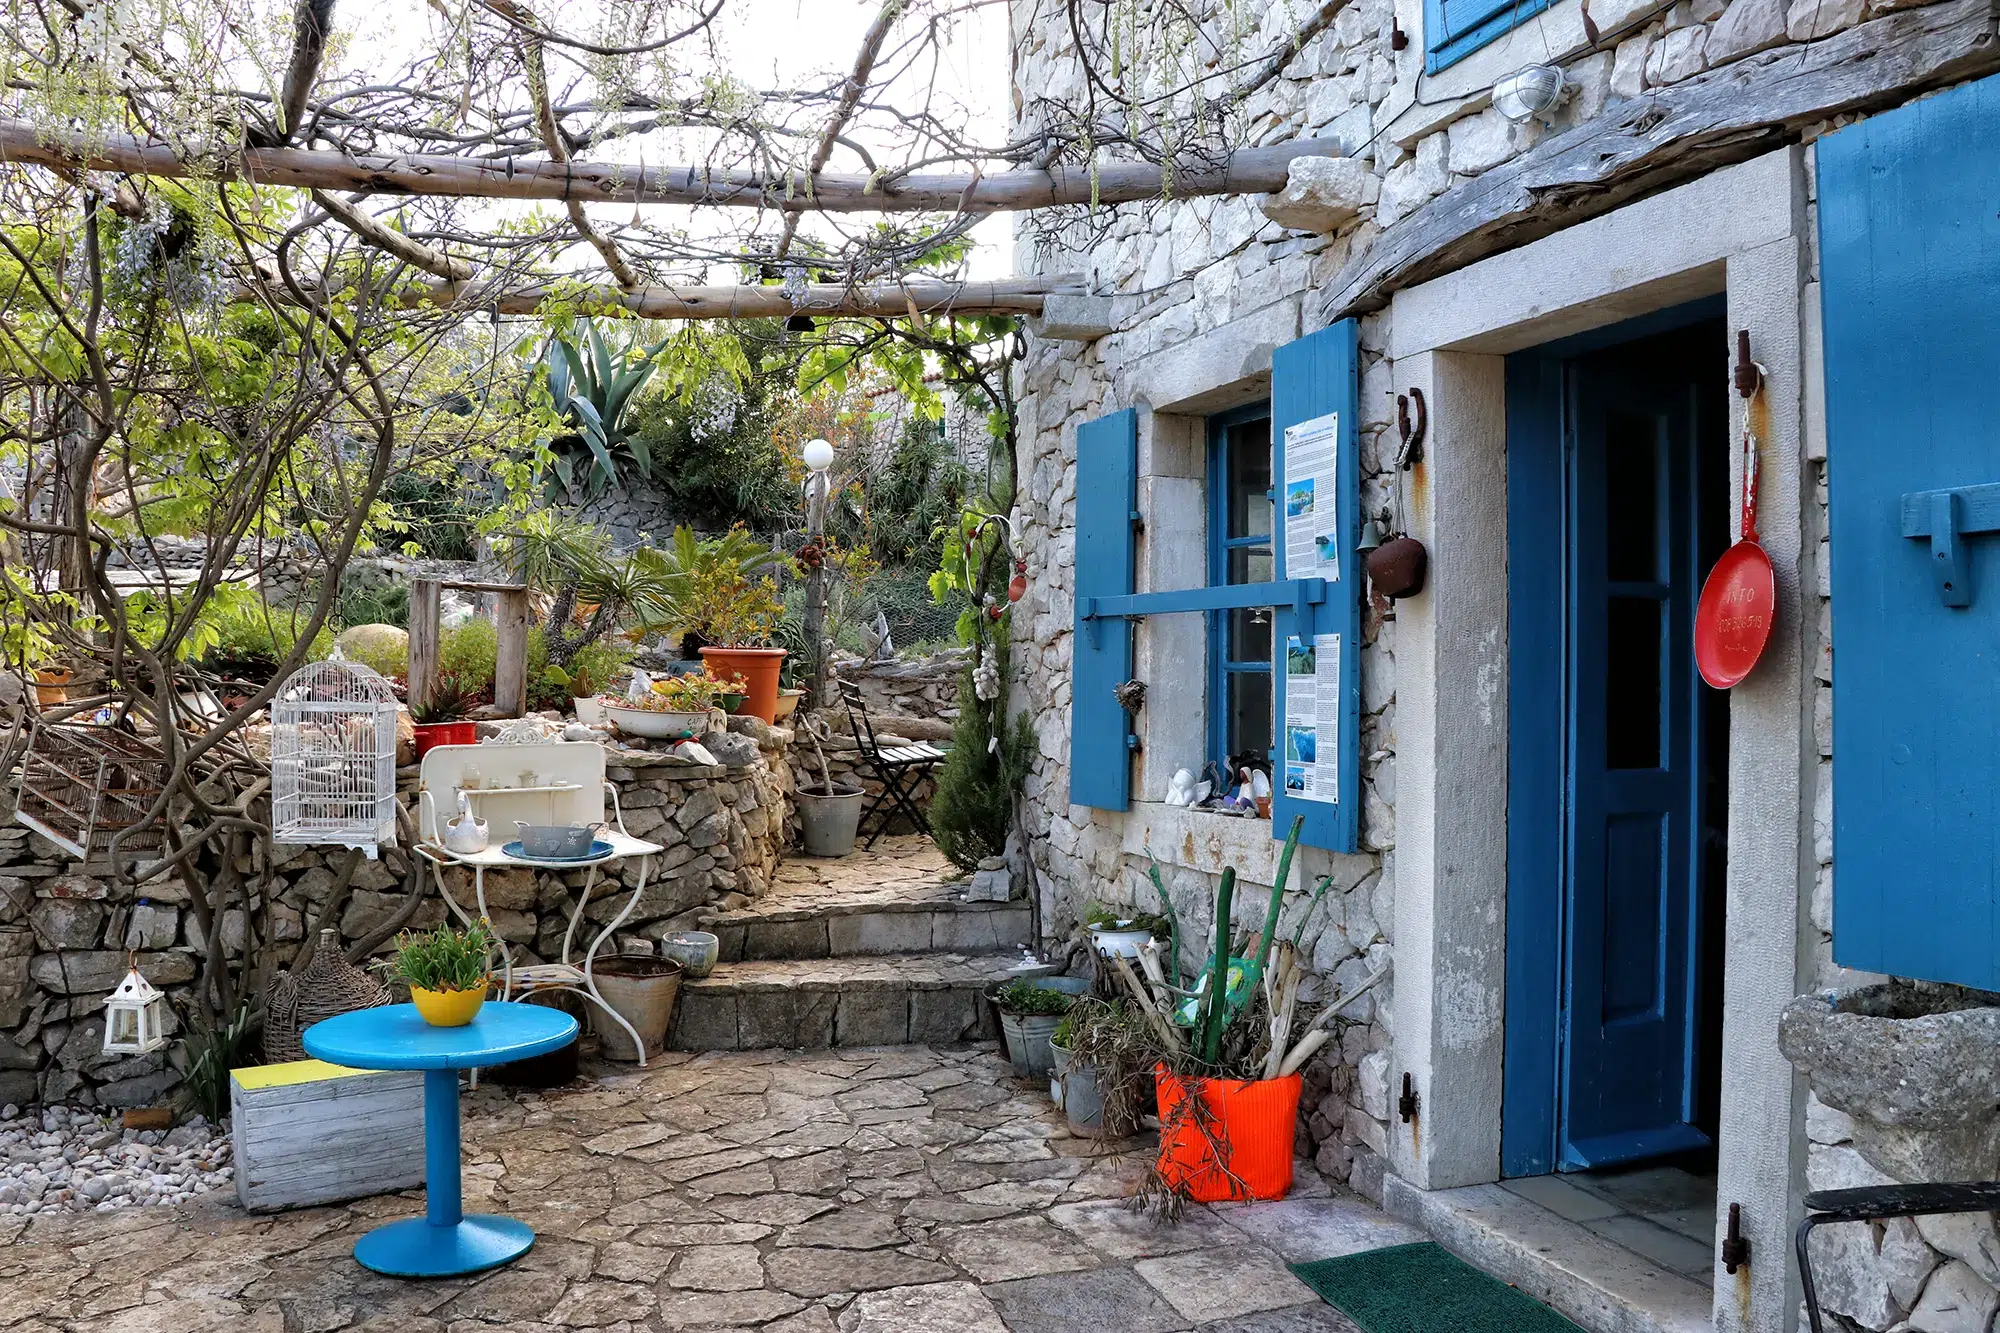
x,y
1214,1004
1254,972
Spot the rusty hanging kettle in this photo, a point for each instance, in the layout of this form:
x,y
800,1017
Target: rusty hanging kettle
x,y
1396,567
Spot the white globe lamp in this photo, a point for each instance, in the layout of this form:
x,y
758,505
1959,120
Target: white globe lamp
x,y
818,455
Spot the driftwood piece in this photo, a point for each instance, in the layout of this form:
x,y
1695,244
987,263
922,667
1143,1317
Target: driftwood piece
x,y
1725,116
1257,170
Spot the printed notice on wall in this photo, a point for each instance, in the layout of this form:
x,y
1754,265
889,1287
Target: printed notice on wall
x,y
1312,718
1312,498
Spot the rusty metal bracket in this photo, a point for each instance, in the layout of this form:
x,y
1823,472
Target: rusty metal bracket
x,y
1749,375
1412,451
1735,1245
1406,1105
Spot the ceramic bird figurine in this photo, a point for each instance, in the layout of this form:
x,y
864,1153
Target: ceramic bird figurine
x,y
1180,788
641,686
465,834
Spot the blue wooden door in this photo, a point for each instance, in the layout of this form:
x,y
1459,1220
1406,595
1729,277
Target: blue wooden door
x,y
1629,1001
1910,267
1616,503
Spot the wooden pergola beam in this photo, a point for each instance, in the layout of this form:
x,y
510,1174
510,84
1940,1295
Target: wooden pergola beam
x,y
929,297
1258,170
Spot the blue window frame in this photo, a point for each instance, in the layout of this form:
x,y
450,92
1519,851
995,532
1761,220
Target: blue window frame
x,y
1454,29
1239,551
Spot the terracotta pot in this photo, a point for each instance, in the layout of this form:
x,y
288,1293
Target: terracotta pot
x,y
758,670
448,1008
49,689
433,734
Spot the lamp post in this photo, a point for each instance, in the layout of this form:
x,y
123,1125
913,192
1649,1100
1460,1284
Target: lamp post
x,y
819,460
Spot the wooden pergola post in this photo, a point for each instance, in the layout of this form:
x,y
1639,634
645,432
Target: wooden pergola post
x,y
510,624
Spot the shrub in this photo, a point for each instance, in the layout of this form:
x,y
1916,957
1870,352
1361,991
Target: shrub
x,y
972,805
252,638
595,665
468,654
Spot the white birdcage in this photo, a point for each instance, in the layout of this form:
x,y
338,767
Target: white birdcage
x,y
333,757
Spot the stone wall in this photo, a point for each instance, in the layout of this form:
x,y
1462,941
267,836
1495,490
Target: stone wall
x,y
1215,281
63,935
908,699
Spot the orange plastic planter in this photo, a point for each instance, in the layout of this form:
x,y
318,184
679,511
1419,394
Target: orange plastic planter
x,y
1252,1123
757,668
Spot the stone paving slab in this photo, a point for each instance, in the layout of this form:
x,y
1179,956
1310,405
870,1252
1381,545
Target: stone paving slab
x,y
849,1191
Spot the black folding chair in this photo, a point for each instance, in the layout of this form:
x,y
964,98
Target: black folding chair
x,y
1875,1202
900,769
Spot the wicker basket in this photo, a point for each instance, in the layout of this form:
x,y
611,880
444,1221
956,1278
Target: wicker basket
x,y
329,985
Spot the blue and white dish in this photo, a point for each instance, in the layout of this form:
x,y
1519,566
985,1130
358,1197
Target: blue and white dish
x,y
598,851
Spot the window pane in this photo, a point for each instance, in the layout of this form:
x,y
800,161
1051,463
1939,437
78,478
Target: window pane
x,y
1249,455
1632,497
1632,685
1251,564
1250,713
1250,634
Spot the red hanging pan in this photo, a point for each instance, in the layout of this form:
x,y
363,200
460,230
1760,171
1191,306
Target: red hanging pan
x,y
1732,623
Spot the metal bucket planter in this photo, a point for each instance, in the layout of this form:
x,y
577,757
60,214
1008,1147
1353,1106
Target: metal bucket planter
x,y
1059,1059
1094,1109
1028,1042
642,991
827,822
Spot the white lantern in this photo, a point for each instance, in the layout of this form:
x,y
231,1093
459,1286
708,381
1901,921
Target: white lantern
x,y
133,1016
818,455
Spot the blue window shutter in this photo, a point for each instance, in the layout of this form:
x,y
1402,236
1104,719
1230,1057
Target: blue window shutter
x,y
1107,499
1910,288
1454,29
1311,377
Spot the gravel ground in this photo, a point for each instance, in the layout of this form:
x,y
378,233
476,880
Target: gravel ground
x,y
75,1160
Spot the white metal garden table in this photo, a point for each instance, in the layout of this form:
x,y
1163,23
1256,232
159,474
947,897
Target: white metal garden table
x,y
568,787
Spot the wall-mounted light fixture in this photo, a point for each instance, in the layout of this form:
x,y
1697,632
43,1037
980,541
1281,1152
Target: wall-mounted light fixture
x,y
1530,92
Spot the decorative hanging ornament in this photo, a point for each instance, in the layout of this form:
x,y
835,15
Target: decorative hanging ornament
x,y
134,1016
1017,587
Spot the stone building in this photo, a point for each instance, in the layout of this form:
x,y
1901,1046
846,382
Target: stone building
x,y
1596,883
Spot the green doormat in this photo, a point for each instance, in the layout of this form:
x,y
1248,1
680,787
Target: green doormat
x,y
1424,1288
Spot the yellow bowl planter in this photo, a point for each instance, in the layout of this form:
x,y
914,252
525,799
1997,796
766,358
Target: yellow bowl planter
x,y
448,1008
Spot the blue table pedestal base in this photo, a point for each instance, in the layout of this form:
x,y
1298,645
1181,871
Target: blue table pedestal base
x,y
417,1247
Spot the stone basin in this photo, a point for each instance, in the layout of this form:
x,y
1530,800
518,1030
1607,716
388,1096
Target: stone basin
x,y
1916,1065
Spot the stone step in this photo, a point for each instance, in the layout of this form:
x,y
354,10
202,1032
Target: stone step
x,y
887,1000
902,900
1604,1287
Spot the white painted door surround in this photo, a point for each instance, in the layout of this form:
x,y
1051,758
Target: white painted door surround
x,y
1742,231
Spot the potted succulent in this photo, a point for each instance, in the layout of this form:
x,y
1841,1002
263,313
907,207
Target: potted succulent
x,y
1120,933
674,707
1029,1016
1229,1050
446,971
440,719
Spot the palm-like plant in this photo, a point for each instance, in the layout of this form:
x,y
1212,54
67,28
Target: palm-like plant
x,y
593,384
574,563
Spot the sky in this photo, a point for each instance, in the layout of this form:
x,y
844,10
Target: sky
x,y
766,43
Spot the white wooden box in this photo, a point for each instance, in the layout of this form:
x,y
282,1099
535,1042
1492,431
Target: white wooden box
x,y
307,1132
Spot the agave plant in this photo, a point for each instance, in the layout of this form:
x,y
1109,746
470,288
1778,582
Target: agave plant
x,y
593,384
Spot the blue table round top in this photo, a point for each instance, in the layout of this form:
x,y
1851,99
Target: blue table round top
x,y
395,1036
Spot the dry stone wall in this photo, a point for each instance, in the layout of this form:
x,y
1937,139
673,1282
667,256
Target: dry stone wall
x,y
64,935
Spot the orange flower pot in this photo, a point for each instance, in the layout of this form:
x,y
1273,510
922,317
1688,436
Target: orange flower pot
x,y
51,687
1247,1151
757,668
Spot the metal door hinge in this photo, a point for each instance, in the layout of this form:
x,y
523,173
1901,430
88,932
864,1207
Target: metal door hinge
x,y
1406,1105
1735,1245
